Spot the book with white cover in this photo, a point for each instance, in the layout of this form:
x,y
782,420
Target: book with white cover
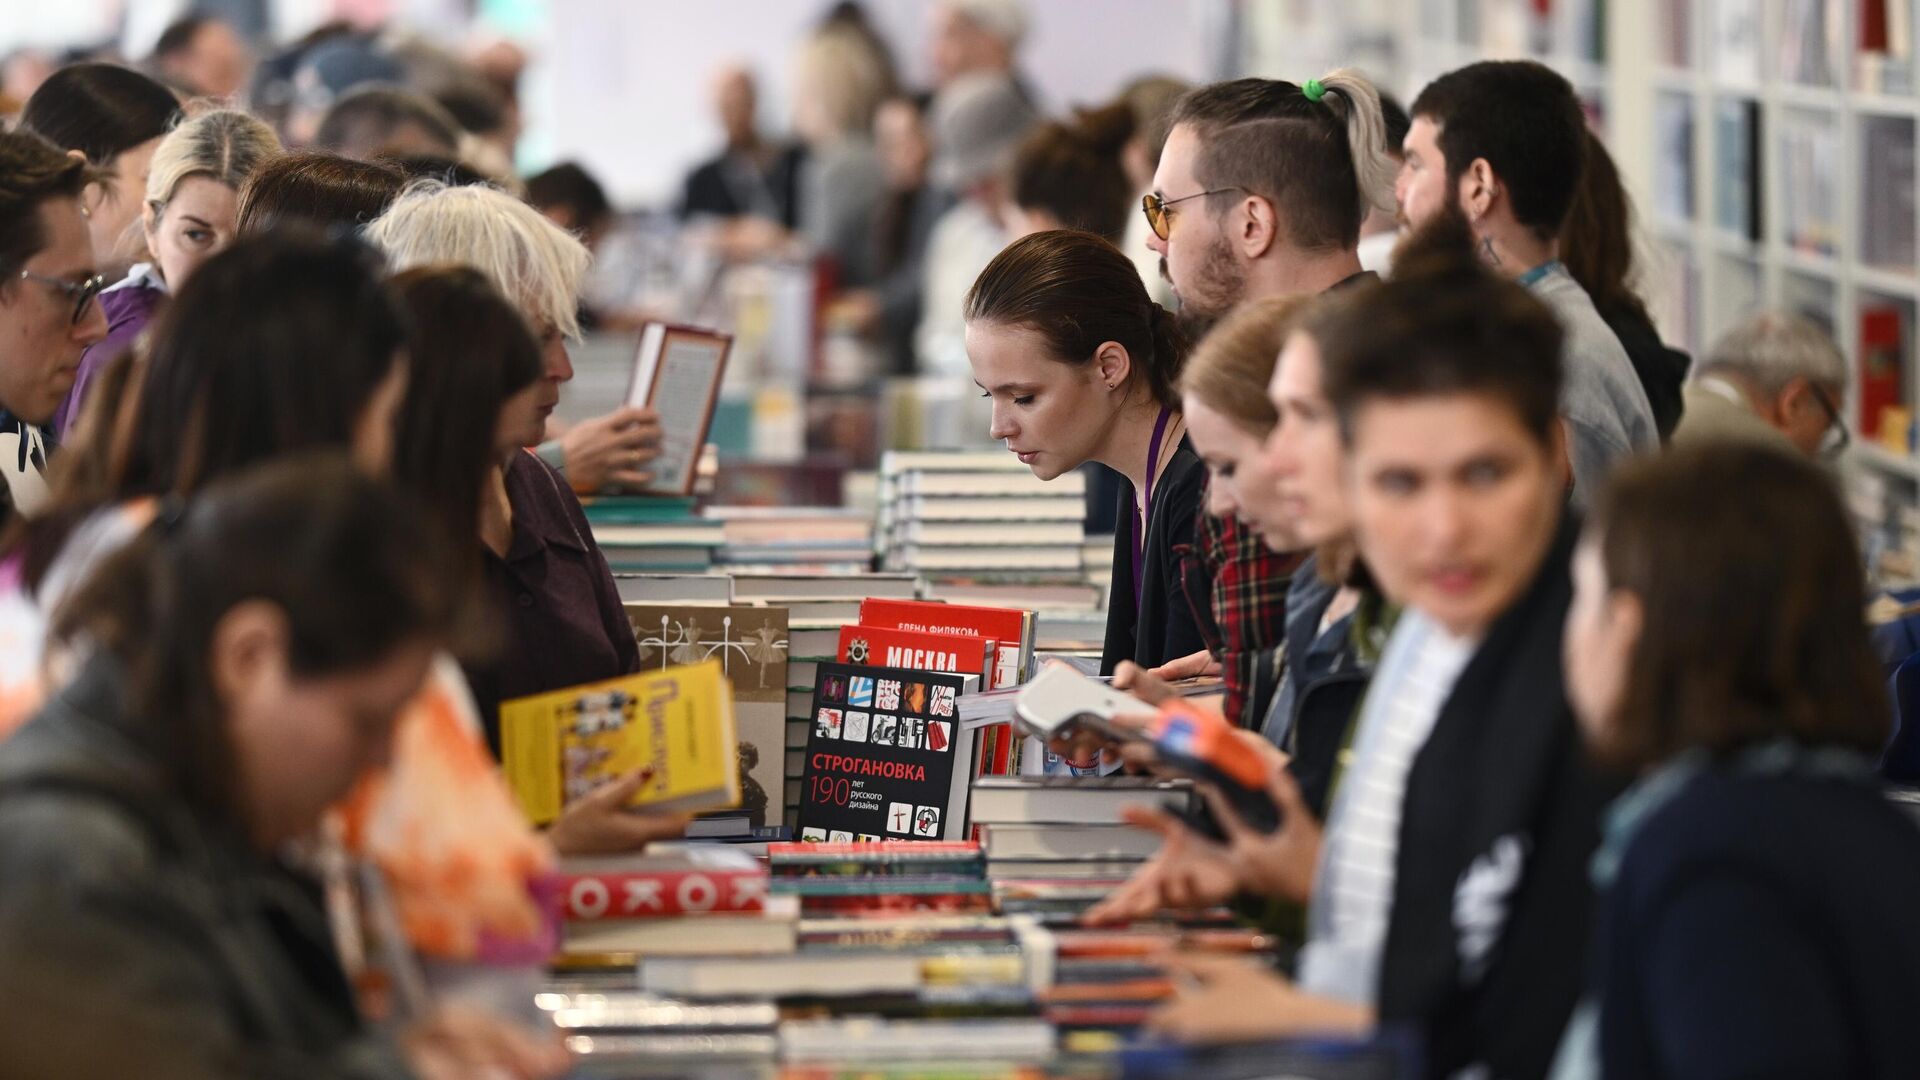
x,y
677,372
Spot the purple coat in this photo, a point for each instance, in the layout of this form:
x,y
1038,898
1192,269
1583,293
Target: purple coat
x,y
128,309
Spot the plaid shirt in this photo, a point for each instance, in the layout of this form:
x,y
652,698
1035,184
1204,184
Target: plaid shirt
x,y
1244,582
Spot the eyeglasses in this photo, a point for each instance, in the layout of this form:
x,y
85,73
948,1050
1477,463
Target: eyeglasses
x,y
1837,438
1157,209
82,292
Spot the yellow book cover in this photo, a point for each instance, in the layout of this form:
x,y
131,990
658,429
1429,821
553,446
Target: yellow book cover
x,y
679,722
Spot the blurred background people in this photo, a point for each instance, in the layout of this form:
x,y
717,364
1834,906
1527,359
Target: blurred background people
x,y
204,57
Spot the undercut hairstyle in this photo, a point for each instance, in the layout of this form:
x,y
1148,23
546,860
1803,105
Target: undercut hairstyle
x,y
101,110
1745,562
1525,121
32,172
364,121
317,190
1323,164
1232,366
1078,292
1444,326
533,262
1071,169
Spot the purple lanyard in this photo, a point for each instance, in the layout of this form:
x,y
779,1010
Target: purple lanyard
x,y
1138,537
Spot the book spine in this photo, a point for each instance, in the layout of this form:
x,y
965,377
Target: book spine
x,y
591,897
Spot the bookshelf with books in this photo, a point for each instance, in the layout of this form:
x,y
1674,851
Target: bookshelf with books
x,y
1805,122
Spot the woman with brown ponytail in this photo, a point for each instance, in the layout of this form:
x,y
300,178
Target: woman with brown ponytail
x,y
1080,366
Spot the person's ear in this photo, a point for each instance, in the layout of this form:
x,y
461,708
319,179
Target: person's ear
x,y
1260,229
1112,365
1479,188
1792,399
247,652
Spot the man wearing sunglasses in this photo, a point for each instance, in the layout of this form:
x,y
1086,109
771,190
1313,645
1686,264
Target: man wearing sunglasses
x,y
1261,190
1776,379
48,316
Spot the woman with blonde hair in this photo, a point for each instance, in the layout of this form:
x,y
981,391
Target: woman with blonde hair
x,y
839,83
190,213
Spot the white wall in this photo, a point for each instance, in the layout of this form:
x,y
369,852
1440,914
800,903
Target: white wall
x,y
629,97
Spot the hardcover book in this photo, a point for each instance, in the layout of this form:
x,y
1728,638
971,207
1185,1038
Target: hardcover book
x,y
562,745
751,644
886,758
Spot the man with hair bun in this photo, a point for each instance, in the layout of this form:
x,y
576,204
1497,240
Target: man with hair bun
x,y
1261,190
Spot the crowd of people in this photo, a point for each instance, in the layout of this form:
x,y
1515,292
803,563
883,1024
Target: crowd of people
x,y
1555,650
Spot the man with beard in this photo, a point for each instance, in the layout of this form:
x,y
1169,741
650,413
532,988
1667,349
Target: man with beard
x,y
1493,157
1261,190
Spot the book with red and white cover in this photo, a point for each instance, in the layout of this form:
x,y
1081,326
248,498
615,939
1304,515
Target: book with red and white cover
x,y
881,646
1010,628
652,888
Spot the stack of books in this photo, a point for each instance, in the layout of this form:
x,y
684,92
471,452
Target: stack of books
x,y
978,515
888,878
1112,980
696,901
1056,845
653,534
775,539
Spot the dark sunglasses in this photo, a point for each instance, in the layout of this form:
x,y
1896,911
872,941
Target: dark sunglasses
x,y
82,292
1159,219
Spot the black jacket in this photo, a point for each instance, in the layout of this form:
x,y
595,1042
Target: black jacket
x,y
1492,904
139,939
1661,369
1763,925
1163,626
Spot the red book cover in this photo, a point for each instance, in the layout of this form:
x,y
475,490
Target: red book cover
x,y
1008,627
880,646
1879,366
657,894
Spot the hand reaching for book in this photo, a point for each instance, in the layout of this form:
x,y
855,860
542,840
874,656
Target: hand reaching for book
x,y
1189,871
609,450
601,824
1234,999
457,1042
1281,863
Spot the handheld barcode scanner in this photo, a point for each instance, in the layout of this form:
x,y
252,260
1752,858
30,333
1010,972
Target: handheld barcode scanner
x,y
1188,740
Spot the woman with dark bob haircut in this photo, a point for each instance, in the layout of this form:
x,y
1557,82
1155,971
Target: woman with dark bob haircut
x,y
1759,889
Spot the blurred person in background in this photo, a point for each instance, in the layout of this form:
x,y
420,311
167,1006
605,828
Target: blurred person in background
x,y
976,122
1596,244
387,121
204,56
1776,379
839,81
115,117
21,73
752,176
1152,98
978,37
912,205
192,212
1067,174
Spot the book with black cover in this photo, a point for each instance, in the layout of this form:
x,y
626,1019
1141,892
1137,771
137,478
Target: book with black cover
x,y
886,757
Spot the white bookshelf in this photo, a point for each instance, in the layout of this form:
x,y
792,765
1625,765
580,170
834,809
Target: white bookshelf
x,y
1725,276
